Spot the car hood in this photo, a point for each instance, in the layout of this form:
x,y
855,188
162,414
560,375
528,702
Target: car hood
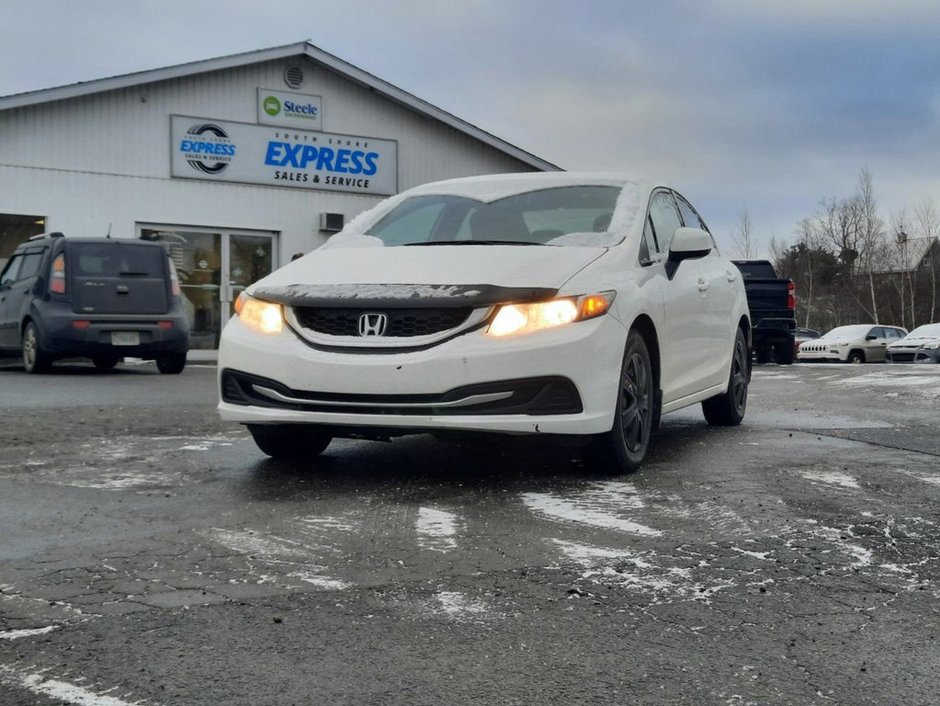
x,y
454,275
916,342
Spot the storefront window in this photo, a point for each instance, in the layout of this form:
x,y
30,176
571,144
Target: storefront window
x,y
213,267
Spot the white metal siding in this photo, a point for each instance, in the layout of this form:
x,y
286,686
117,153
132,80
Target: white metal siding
x,y
102,160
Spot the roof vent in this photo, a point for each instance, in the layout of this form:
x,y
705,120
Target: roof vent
x,y
293,76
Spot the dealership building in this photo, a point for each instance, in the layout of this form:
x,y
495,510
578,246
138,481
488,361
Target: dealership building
x,y
236,163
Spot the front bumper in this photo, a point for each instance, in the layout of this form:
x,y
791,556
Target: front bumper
x,y
830,354
913,355
561,381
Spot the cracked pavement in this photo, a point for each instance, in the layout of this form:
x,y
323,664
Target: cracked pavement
x,y
151,555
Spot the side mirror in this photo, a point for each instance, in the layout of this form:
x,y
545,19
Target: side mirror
x,y
687,243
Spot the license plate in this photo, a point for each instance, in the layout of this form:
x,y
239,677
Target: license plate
x,y
125,338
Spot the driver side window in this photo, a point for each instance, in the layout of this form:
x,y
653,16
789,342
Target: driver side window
x,y
665,220
11,270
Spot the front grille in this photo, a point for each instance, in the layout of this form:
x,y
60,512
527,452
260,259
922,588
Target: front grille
x,y
402,323
902,357
541,396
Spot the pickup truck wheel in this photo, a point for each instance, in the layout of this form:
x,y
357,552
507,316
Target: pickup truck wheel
x,y
290,442
727,409
623,448
784,353
35,359
856,357
764,354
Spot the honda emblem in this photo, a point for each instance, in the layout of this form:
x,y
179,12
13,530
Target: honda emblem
x,y
373,324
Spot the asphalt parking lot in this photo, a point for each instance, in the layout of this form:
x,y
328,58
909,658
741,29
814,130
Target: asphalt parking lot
x,y
151,555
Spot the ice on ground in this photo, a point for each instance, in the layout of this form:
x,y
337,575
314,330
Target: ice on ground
x,y
838,478
437,529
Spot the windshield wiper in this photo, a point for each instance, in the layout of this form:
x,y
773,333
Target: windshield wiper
x,y
474,242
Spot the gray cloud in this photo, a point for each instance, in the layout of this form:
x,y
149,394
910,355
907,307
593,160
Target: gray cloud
x,y
771,105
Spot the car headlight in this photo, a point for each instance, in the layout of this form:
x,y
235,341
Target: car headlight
x,y
259,315
516,319
931,346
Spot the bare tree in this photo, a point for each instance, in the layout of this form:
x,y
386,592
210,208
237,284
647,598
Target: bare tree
x,y
927,223
898,270
808,241
870,234
741,237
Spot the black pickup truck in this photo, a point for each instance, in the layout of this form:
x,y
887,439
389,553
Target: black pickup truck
x,y
772,302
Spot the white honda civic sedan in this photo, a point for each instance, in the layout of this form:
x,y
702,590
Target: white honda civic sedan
x,y
553,303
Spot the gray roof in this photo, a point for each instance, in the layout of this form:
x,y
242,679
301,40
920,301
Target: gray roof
x,y
315,54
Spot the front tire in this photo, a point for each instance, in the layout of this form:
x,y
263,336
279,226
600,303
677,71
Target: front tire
x,y
291,442
855,357
35,358
727,409
624,447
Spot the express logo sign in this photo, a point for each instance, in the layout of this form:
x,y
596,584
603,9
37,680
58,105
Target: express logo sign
x,y
207,148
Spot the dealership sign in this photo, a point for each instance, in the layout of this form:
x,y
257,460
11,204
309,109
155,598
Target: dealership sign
x,y
290,109
219,150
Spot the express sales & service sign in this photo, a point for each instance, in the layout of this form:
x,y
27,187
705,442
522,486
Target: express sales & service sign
x,y
276,156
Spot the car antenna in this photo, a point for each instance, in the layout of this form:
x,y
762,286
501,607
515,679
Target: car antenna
x,y
109,230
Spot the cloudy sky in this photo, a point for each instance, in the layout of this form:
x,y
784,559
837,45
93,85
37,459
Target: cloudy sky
x,y
768,106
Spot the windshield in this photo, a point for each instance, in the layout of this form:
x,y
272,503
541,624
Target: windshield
x,y
850,332
571,215
928,330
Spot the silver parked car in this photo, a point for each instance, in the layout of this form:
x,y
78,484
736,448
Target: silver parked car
x,y
922,345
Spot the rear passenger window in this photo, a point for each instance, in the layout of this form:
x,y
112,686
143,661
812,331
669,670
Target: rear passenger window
x,y
30,266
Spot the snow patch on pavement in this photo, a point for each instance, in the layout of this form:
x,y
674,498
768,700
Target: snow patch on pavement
x,y
17,634
459,606
843,480
437,529
60,691
602,506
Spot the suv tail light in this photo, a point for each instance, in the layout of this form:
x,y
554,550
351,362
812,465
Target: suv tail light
x,y
174,280
791,296
57,281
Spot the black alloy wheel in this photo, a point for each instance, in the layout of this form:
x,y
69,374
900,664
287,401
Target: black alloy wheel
x,y
623,448
728,408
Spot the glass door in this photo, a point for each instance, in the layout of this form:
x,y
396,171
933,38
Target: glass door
x,y
250,257
213,266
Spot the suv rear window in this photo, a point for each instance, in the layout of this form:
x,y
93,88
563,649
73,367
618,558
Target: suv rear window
x,y
116,259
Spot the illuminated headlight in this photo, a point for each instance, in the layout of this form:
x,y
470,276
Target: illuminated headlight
x,y
515,319
261,316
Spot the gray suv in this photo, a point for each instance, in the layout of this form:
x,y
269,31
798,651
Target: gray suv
x,y
97,298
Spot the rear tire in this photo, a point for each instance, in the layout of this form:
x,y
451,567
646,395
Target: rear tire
x,y
784,353
727,409
105,362
623,448
35,359
171,364
291,442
